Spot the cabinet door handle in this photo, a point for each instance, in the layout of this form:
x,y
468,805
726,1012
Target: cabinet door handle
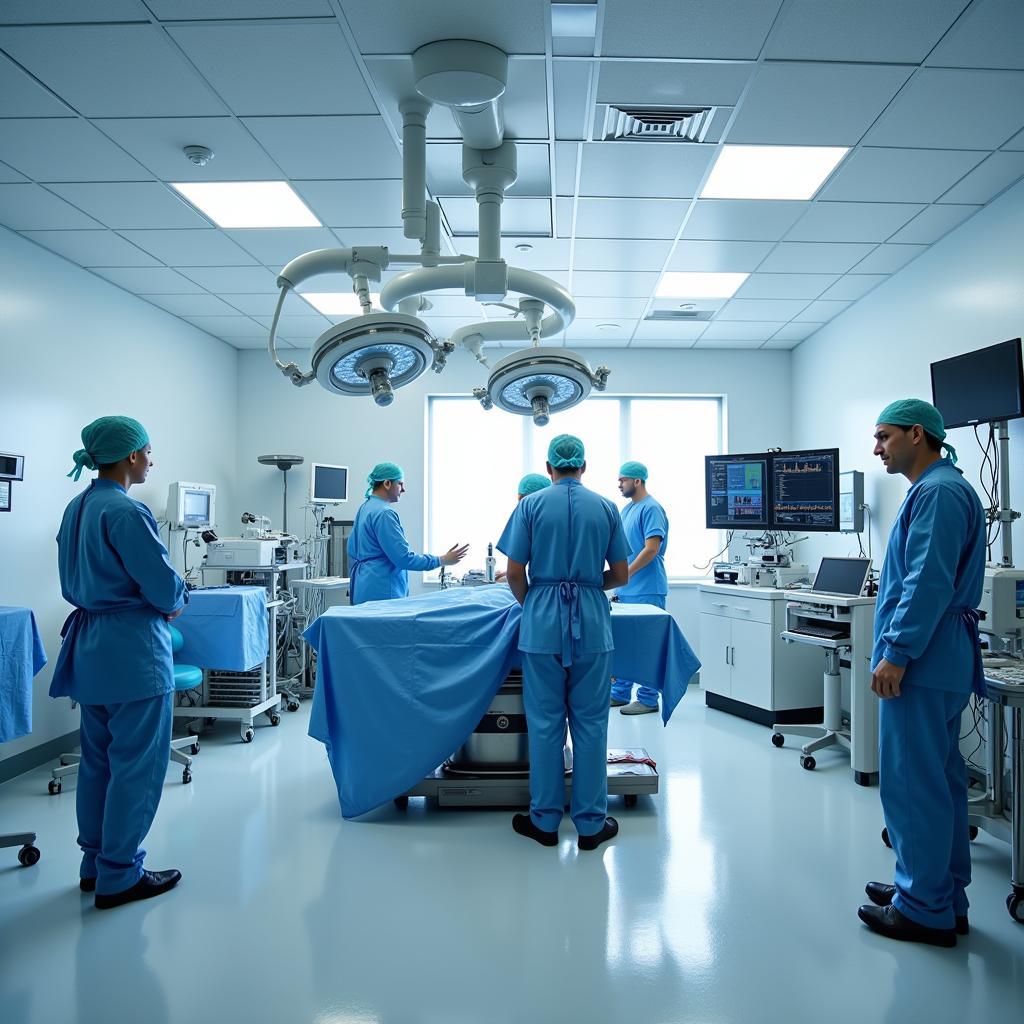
x,y
737,608
727,654
732,656
718,604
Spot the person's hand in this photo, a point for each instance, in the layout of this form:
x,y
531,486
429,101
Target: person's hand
x,y
885,680
500,577
454,554
174,615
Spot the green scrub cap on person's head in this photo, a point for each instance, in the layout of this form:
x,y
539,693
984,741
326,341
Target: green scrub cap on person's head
x,y
533,482
633,471
566,452
381,472
910,411
108,440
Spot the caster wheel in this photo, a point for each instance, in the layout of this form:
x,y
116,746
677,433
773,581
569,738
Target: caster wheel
x,y
778,739
862,778
195,748
247,736
186,777
401,802
972,832
293,705
807,762
275,719
54,787
631,799
1014,904
29,855
885,838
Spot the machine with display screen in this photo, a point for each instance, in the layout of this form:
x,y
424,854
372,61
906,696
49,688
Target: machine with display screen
x,y
738,491
328,485
805,491
191,506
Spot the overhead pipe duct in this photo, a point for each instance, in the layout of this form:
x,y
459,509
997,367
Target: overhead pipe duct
x,y
414,167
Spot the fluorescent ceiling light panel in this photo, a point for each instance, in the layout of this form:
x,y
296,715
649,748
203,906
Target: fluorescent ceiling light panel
x,y
339,303
771,172
677,284
248,204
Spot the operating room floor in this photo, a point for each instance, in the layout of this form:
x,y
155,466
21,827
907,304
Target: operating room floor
x,y
730,896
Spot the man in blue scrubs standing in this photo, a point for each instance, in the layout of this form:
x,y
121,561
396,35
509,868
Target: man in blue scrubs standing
x,y
925,664
115,660
646,527
379,555
566,534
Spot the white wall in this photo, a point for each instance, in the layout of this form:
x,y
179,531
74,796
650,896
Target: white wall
x,y
73,347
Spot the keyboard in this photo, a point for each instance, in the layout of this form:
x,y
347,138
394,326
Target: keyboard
x,y
822,632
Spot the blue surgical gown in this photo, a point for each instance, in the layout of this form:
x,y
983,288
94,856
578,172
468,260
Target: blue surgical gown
x,y
642,520
380,556
115,571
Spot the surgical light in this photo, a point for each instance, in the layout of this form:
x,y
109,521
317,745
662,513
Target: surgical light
x,y
771,172
677,284
248,204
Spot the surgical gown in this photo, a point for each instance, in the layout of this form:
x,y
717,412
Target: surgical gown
x,y
115,661
925,620
566,535
379,555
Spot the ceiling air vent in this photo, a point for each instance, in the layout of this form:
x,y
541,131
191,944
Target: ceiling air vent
x,y
680,314
650,124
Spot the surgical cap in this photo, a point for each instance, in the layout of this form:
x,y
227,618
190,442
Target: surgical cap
x,y
633,471
108,440
910,411
533,482
566,452
381,472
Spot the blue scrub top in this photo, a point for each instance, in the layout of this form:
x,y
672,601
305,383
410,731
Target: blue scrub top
x,y
640,521
931,584
114,569
566,534
380,556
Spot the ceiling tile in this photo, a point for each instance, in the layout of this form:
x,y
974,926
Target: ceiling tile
x,y
187,10
22,96
199,304
899,175
258,341
132,204
150,280
92,248
597,283
823,104
1017,142
852,222
775,342
868,30
785,286
27,207
354,146
661,331
726,343
264,304
545,255
794,332
887,259
987,180
854,286
33,12
571,82
724,330
563,216
588,331
629,218
112,70
525,104
300,330
987,36
231,279
943,106
814,257
606,308
743,219
781,310
354,203
393,238
670,83
226,326
444,170
277,246
726,257
520,216
206,248
9,174
64,149
933,222
821,311
565,167
643,169
619,254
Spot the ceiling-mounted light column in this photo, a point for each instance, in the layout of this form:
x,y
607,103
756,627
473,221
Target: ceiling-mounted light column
x,y
489,172
414,167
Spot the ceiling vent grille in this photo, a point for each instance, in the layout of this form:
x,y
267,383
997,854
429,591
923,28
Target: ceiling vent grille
x,y
652,124
680,314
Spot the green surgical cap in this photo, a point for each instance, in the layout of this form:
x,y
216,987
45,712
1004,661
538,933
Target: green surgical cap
x,y
381,472
633,470
566,452
108,440
533,482
910,411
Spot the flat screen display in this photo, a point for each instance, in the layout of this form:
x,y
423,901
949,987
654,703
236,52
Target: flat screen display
x,y
197,509
981,386
843,576
805,490
737,491
329,483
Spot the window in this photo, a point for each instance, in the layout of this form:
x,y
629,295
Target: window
x,y
476,460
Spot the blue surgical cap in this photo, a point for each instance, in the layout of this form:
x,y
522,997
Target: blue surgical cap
x,y
533,482
381,472
108,440
908,412
633,471
566,452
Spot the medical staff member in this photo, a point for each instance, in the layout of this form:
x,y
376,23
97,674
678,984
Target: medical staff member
x,y
646,528
566,534
925,664
379,555
115,660
530,484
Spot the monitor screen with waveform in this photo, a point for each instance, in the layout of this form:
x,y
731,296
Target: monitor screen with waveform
x,y
805,490
737,491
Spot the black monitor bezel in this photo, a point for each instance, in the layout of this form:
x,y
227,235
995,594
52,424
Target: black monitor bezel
x,y
1015,343
768,497
833,527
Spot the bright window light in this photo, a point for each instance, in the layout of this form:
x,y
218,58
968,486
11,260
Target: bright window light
x,y
338,303
677,284
771,172
249,204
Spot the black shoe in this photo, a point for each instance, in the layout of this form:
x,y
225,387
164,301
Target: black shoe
x,y
87,884
888,921
881,895
610,831
523,824
152,883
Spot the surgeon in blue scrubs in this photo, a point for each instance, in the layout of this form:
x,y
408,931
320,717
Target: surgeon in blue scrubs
x,y
115,660
646,527
926,663
379,555
566,535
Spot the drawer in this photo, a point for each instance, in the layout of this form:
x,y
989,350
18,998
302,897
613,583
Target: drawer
x,y
733,606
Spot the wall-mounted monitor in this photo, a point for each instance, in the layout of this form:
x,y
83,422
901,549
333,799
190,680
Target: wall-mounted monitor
x,y
983,386
192,506
12,467
805,490
737,491
328,485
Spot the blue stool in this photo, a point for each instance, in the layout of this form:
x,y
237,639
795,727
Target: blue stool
x,y
186,677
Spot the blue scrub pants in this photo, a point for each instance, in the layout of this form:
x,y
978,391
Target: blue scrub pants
x,y
923,787
125,748
551,694
622,689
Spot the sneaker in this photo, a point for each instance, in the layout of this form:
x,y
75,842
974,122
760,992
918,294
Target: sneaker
x,y
636,708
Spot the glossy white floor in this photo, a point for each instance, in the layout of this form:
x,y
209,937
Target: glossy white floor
x,y
731,896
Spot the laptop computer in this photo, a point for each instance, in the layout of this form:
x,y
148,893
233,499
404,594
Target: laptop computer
x,y
841,577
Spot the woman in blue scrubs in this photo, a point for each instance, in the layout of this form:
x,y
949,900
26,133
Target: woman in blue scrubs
x,y
566,534
380,558
115,660
925,664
